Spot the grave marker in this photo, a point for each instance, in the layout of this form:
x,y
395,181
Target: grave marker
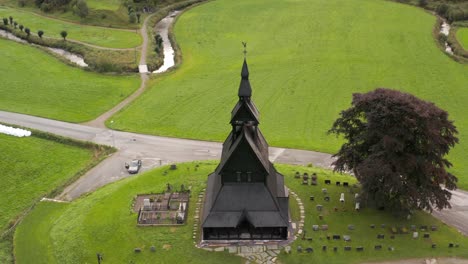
x,y
415,235
378,247
327,182
347,248
361,248
342,197
309,250
338,183
319,207
426,235
350,227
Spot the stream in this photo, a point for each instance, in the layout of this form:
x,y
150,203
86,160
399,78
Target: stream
x,y
78,60
162,28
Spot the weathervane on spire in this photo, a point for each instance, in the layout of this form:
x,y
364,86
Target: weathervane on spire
x,y
245,49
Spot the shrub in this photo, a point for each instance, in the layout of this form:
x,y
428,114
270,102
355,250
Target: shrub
x,y
81,8
28,31
11,20
15,24
64,34
132,17
21,27
422,3
21,3
5,21
40,33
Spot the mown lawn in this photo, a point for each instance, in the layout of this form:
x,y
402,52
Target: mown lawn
x,y
35,83
306,59
104,222
462,37
29,174
105,37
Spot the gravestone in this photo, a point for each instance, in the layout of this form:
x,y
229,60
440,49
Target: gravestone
x,y
299,249
309,250
415,235
345,184
153,249
327,182
319,207
357,207
335,209
314,179
434,245
380,236
426,235
324,191
350,227
321,217
434,228
423,228
336,237
324,227
328,237
378,247
297,175
383,225
173,167
338,183
450,245
391,248
346,238
287,249
315,227
347,248
324,248
137,250
305,178
413,227
146,205
372,226
361,248
312,198
335,249
327,198
342,197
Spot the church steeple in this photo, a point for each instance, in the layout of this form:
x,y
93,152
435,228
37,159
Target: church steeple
x,y
245,91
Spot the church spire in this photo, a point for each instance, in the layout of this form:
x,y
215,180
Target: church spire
x,y
245,91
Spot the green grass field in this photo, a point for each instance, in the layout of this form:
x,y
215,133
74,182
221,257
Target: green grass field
x,y
105,37
104,4
29,174
462,37
38,84
104,222
304,69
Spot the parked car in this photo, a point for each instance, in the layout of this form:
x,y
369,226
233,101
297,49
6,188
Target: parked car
x,y
134,166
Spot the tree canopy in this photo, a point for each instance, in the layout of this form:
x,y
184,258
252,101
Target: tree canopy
x,y
396,146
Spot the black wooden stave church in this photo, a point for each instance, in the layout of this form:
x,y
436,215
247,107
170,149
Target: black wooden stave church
x,y
246,198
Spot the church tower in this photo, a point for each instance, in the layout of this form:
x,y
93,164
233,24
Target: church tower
x,y
245,196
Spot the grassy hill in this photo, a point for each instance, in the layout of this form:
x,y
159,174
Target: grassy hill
x,y
32,168
103,222
110,38
462,37
306,59
38,84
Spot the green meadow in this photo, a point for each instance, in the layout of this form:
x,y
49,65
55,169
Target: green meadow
x,y
104,4
103,222
462,37
36,83
105,37
306,59
29,174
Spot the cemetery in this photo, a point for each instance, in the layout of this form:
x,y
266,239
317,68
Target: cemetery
x,y
168,208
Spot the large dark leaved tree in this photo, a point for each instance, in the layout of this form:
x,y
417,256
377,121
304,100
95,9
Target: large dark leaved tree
x,y
396,146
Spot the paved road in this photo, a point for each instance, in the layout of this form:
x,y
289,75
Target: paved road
x,y
156,151
153,150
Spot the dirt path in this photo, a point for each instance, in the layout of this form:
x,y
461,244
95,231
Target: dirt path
x,y
99,122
